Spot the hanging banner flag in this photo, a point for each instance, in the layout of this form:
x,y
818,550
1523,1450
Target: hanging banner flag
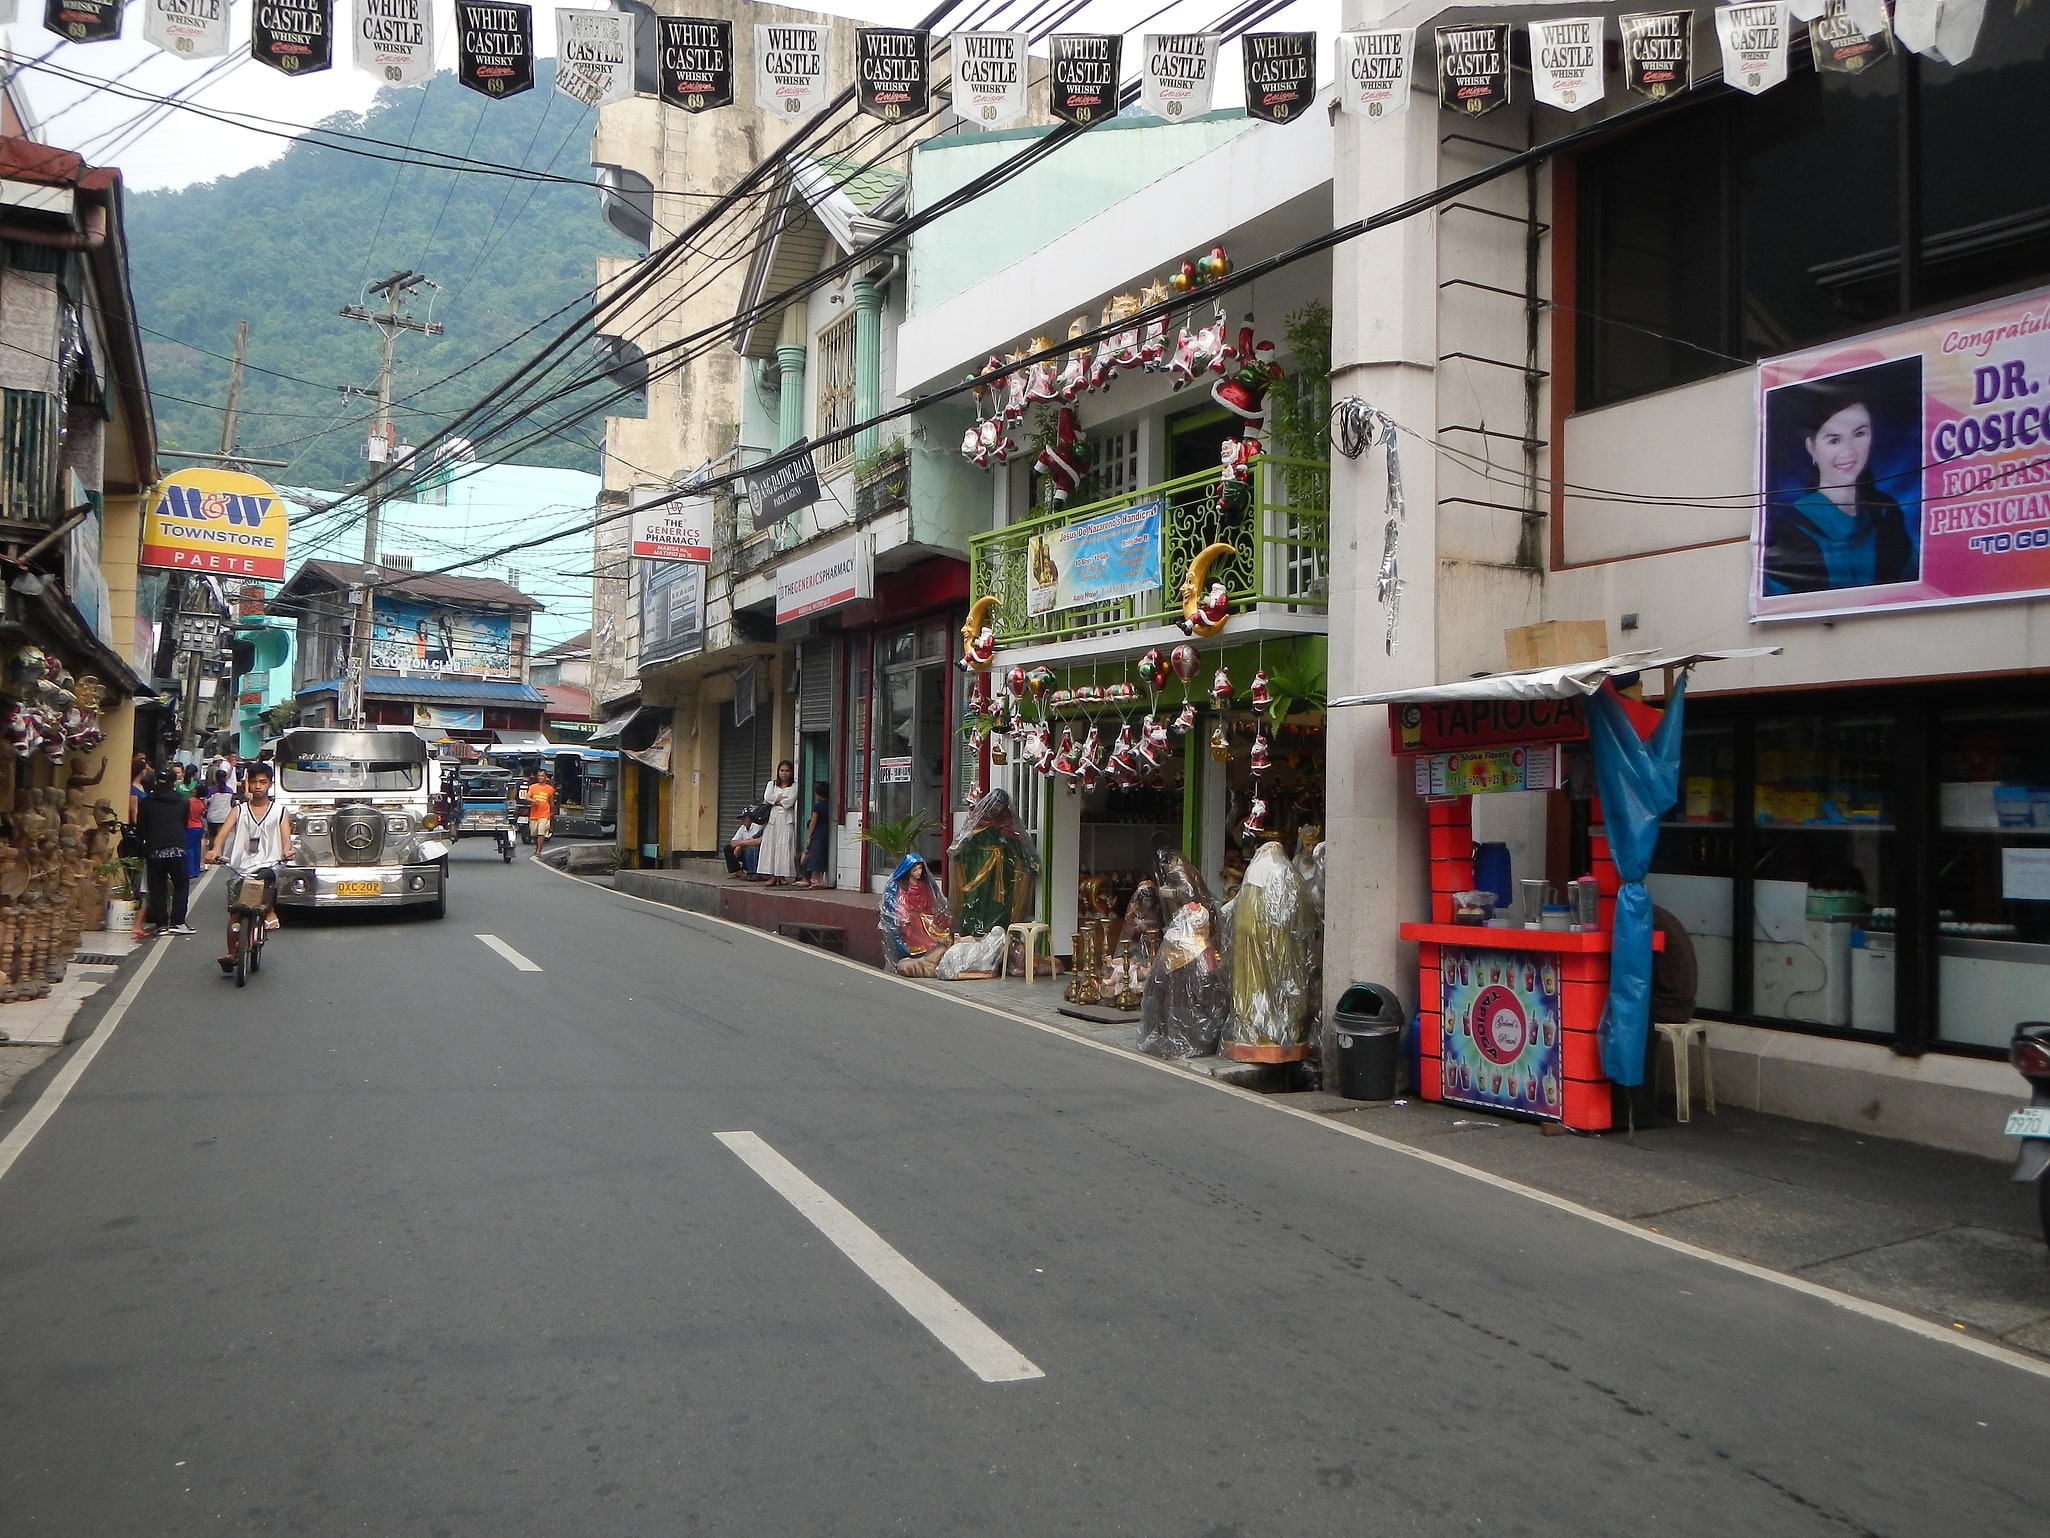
x,y
1944,30
696,68
990,70
594,56
83,21
790,69
395,40
1082,77
1473,68
1373,71
1281,75
893,72
294,37
1848,36
1658,53
1754,40
1806,10
192,29
1179,75
1566,62
495,47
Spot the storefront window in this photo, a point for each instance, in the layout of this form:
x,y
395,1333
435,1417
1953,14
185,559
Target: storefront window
x,y
1823,867
856,784
1694,866
1991,858
914,736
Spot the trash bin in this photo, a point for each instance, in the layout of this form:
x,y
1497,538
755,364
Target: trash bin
x,y
1368,1025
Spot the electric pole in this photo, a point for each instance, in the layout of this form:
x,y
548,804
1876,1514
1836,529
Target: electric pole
x,y
396,290
227,458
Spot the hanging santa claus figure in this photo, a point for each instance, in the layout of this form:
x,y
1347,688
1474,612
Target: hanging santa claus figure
x,y
1065,460
1243,391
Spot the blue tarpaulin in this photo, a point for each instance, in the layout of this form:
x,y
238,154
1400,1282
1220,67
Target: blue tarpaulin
x,y
1639,783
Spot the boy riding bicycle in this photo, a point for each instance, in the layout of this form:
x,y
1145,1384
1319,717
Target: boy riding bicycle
x,y
254,841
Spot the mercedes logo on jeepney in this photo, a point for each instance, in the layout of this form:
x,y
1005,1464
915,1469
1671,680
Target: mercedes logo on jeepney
x,y
357,836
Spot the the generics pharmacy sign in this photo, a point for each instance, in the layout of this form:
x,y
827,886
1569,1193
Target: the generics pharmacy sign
x,y
841,572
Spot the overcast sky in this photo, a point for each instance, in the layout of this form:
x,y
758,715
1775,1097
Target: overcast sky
x,y
184,147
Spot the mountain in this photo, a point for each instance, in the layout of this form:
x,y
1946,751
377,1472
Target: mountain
x,y
285,246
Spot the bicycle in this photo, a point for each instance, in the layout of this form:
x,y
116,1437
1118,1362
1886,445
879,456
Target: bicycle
x,y
246,925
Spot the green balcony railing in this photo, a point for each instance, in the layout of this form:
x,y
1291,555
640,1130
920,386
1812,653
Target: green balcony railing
x,y
1283,539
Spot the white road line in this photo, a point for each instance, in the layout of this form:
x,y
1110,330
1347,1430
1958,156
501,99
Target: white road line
x,y
984,1352
1881,1313
12,1146
509,953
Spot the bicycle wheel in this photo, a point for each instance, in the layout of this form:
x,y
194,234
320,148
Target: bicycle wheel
x,y
256,946
243,943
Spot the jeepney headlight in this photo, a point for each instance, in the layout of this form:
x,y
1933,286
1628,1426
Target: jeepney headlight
x,y
316,825
397,823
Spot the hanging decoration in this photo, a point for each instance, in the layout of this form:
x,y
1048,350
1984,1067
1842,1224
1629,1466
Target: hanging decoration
x,y
1848,36
594,56
295,37
394,40
1566,62
1183,659
191,29
790,68
990,71
83,21
1944,30
893,72
1221,689
1280,74
1234,492
1372,70
1658,53
695,70
1082,77
1260,695
1754,44
979,637
1205,610
495,46
1153,672
1358,428
1179,75
1473,68
1243,392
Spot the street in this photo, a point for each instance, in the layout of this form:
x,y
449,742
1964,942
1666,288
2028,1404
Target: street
x,y
410,1237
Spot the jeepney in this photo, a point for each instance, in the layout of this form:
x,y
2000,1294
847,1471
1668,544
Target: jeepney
x,y
365,831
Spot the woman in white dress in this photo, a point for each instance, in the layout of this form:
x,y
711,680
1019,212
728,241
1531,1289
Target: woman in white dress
x,y
778,858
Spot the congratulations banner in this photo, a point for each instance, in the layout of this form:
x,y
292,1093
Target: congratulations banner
x,y
1112,556
1907,469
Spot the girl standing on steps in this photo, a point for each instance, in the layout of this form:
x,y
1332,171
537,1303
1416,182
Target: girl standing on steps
x,y
778,858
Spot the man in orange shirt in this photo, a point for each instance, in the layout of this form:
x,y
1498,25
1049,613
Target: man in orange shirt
x,y
540,810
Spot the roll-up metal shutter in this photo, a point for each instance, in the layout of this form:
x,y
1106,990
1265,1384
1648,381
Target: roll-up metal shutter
x,y
744,764
815,686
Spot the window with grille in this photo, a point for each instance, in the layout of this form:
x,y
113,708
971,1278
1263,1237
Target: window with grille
x,y
834,351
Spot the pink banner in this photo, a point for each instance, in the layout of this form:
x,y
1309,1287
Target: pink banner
x,y
1907,469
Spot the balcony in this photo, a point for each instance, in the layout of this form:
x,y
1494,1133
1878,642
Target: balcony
x,y
29,426
1283,539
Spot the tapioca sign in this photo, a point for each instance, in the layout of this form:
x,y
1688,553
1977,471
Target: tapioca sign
x,y
83,21
1439,726
294,37
495,47
1082,77
696,71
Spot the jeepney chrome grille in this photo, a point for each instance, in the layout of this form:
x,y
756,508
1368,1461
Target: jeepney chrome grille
x,y
358,834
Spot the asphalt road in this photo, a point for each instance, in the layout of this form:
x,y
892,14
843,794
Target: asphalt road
x,y
405,1239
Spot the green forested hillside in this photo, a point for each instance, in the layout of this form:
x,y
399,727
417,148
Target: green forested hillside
x,y
285,246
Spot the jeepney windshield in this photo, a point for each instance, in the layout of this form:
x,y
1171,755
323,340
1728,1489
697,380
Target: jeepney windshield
x,y
312,773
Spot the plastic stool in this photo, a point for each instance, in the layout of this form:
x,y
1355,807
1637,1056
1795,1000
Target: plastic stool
x,y
1682,1036
1029,934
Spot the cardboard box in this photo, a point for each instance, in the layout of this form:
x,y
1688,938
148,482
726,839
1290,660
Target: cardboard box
x,y
1556,642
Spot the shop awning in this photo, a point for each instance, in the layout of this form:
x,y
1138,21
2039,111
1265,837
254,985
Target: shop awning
x,y
1575,678
609,732
524,742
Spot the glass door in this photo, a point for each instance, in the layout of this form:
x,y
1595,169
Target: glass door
x,y
913,739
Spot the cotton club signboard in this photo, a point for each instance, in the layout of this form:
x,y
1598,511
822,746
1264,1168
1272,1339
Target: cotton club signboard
x,y
218,521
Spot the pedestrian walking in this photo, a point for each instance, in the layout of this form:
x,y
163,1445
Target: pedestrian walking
x,y
816,835
541,810
195,821
778,860
162,825
220,802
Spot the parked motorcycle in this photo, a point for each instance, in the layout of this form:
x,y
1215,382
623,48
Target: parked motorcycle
x,y
2030,1054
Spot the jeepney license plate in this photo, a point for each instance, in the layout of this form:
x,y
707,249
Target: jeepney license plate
x,y
2030,1121
359,889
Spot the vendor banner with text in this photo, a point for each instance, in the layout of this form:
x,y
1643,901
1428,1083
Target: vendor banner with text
x,y
1110,557
1907,469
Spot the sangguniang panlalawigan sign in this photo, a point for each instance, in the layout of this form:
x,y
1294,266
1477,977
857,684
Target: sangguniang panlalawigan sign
x,y
424,639
1908,468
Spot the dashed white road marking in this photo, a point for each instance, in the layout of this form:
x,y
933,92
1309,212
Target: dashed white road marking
x,y
981,1350
509,953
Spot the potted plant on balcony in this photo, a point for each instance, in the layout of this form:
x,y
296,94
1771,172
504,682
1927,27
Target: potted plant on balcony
x,y
882,480
894,838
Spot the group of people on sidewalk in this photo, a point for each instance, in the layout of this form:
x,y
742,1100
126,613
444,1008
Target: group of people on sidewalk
x,y
174,814
764,847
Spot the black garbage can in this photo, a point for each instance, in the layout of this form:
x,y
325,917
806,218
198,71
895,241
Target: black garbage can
x,y
1368,1025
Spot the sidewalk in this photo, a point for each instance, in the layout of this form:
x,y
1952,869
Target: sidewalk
x,y
1945,1236
702,886
32,1030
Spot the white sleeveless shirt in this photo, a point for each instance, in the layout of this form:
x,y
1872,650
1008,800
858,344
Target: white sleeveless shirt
x,y
269,833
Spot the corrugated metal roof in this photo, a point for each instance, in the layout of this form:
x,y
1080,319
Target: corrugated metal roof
x,y
344,574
